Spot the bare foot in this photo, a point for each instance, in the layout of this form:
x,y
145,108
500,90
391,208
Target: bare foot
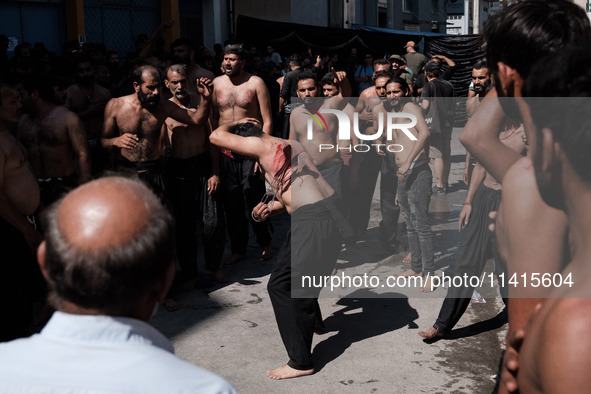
x,y
408,273
234,258
428,285
287,372
431,334
171,304
334,271
220,277
407,259
267,253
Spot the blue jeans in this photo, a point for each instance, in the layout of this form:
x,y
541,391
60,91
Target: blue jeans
x,y
414,195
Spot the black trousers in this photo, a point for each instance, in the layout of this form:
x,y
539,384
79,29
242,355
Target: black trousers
x,y
315,240
243,190
194,209
476,247
21,283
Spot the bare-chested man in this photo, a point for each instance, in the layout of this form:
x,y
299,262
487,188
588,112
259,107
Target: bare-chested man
x,y
328,161
303,193
55,140
192,174
236,95
556,350
88,100
414,178
535,234
183,51
19,199
133,125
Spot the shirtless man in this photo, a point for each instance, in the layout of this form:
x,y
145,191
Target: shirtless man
x,y
328,161
19,199
533,231
555,352
53,136
88,100
183,52
133,125
192,174
236,95
371,164
414,180
476,244
303,193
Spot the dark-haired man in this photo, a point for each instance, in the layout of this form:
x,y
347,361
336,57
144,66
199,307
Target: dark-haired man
x,y
53,136
236,95
307,197
534,235
133,125
108,259
556,347
183,52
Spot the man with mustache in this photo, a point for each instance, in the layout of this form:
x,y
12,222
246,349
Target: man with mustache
x,y
236,95
133,125
192,175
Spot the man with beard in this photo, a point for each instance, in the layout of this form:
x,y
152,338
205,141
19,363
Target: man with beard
x,y
481,84
55,140
414,178
19,199
183,52
88,100
133,125
192,175
310,247
555,352
236,95
531,236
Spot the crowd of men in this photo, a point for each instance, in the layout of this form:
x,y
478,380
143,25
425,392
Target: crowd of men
x,y
208,138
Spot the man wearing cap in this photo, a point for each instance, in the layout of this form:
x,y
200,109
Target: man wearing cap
x,y
399,69
414,60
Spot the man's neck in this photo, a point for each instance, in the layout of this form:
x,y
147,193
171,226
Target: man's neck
x,y
238,78
577,201
43,109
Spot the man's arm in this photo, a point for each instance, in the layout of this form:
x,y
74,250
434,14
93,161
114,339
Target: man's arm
x,y
481,137
264,105
478,176
77,137
419,144
189,116
110,137
224,138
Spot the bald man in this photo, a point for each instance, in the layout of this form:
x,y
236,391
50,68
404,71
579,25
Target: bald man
x,y
108,258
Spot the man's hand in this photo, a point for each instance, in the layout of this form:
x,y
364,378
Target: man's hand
x,y
510,365
127,141
213,184
464,216
204,87
261,212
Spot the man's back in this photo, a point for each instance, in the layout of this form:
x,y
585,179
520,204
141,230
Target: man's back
x,y
100,354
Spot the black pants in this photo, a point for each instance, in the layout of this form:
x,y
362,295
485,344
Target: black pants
x,y
52,189
243,190
193,208
151,173
315,240
361,197
332,174
21,283
476,247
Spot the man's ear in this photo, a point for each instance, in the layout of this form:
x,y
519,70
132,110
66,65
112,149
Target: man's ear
x,y
511,81
551,153
41,250
136,86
